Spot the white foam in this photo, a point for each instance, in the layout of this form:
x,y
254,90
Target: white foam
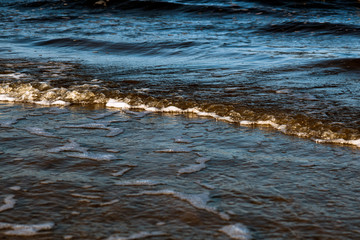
x,y
39,132
139,235
52,103
93,156
171,109
25,229
236,231
15,188
355,142
116,104
72,146
121,172
198,201
144,182
192,168
6,98
9,203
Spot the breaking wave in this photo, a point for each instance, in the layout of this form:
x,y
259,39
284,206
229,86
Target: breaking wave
x,y
87,94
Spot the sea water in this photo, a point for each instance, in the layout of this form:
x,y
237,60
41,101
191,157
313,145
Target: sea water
x,y
179,119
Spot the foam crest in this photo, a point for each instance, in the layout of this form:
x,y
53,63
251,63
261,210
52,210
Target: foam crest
x,y
137,183
52,103
270,123
340,141
139,235
25,229
237,231
9,203
6,98
45,94
116,104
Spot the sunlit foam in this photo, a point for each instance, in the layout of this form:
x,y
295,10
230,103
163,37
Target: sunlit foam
x,y
7,98
340,141
116,104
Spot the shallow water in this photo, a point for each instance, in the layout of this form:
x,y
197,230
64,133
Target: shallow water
x,y
93,186
179,119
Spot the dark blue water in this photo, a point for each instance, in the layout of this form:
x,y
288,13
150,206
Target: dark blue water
x,y
290,68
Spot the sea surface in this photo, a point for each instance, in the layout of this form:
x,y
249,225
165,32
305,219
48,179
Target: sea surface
x,y
179,119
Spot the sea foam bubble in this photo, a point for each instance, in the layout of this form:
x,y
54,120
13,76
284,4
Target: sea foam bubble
x,y
25,229
9,202
236,231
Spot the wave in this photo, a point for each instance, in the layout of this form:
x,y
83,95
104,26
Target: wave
x,y
317,28
306,4
297,125
65,84
142,48
144,5
187,5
